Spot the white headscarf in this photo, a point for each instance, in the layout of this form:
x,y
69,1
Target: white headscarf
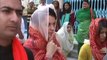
x,y
39,20
64,37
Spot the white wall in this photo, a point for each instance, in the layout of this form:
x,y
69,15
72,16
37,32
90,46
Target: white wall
x,y
25,3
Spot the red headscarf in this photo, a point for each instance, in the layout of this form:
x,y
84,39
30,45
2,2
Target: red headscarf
x,y
96,45
19,52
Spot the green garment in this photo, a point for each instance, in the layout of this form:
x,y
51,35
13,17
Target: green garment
x,y
84,18
65,18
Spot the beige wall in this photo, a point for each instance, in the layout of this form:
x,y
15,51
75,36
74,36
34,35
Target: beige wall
x,y
61,3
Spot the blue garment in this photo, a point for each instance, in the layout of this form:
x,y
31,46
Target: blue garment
x,y
65,18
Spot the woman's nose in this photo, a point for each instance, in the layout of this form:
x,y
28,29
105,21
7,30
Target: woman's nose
x,y
105,35
52,28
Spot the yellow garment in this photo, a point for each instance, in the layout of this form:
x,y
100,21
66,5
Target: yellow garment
x,y
85,53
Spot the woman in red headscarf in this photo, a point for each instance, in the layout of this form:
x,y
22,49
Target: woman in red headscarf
x,y
98,38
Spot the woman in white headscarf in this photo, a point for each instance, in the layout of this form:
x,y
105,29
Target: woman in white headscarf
x,y
43,40
66,36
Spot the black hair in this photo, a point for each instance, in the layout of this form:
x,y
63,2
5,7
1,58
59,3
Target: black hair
x,y
57,3
69,24
66,11
102,24
52,13
86,1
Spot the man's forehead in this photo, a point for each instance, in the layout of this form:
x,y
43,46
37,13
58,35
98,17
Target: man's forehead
x,y
14,4
10,1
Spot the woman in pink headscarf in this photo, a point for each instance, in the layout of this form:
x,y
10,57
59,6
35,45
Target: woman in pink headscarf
x,y
98,38
43,40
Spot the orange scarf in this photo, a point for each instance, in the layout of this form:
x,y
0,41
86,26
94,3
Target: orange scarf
x,y
19,52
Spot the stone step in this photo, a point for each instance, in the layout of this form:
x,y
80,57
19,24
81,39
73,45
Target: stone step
x,y
75,44
74,52
71,58
75,47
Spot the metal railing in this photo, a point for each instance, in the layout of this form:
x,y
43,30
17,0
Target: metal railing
x,y
99,6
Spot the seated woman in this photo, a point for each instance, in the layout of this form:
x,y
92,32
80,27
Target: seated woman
x,y
98,38
66,36
67,14
43,40
83,16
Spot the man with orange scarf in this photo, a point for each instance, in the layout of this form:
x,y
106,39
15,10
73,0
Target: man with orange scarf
x,y
98,38
43,41
10,19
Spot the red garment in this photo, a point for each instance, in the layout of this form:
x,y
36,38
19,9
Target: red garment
x,y
96,45
72,18
19,52
58,11
38,46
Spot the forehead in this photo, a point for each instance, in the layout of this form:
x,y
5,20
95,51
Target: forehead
x,y
85,3
104,30
68,26
55,2
66,4
15,4
51,19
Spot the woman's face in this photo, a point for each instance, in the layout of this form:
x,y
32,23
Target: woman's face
x,y
55,4
103,34
51,26
68,28
85,5
66,6
42,1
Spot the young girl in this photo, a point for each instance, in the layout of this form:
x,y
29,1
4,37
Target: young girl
x,y
66,36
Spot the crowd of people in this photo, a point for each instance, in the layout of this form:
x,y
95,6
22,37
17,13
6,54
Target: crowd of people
x,y
51,32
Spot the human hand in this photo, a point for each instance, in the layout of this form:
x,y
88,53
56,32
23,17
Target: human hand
x,y
52,37
59,49
51,49
103,50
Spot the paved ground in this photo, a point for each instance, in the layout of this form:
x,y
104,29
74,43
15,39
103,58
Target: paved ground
x,y
74,53
72,58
